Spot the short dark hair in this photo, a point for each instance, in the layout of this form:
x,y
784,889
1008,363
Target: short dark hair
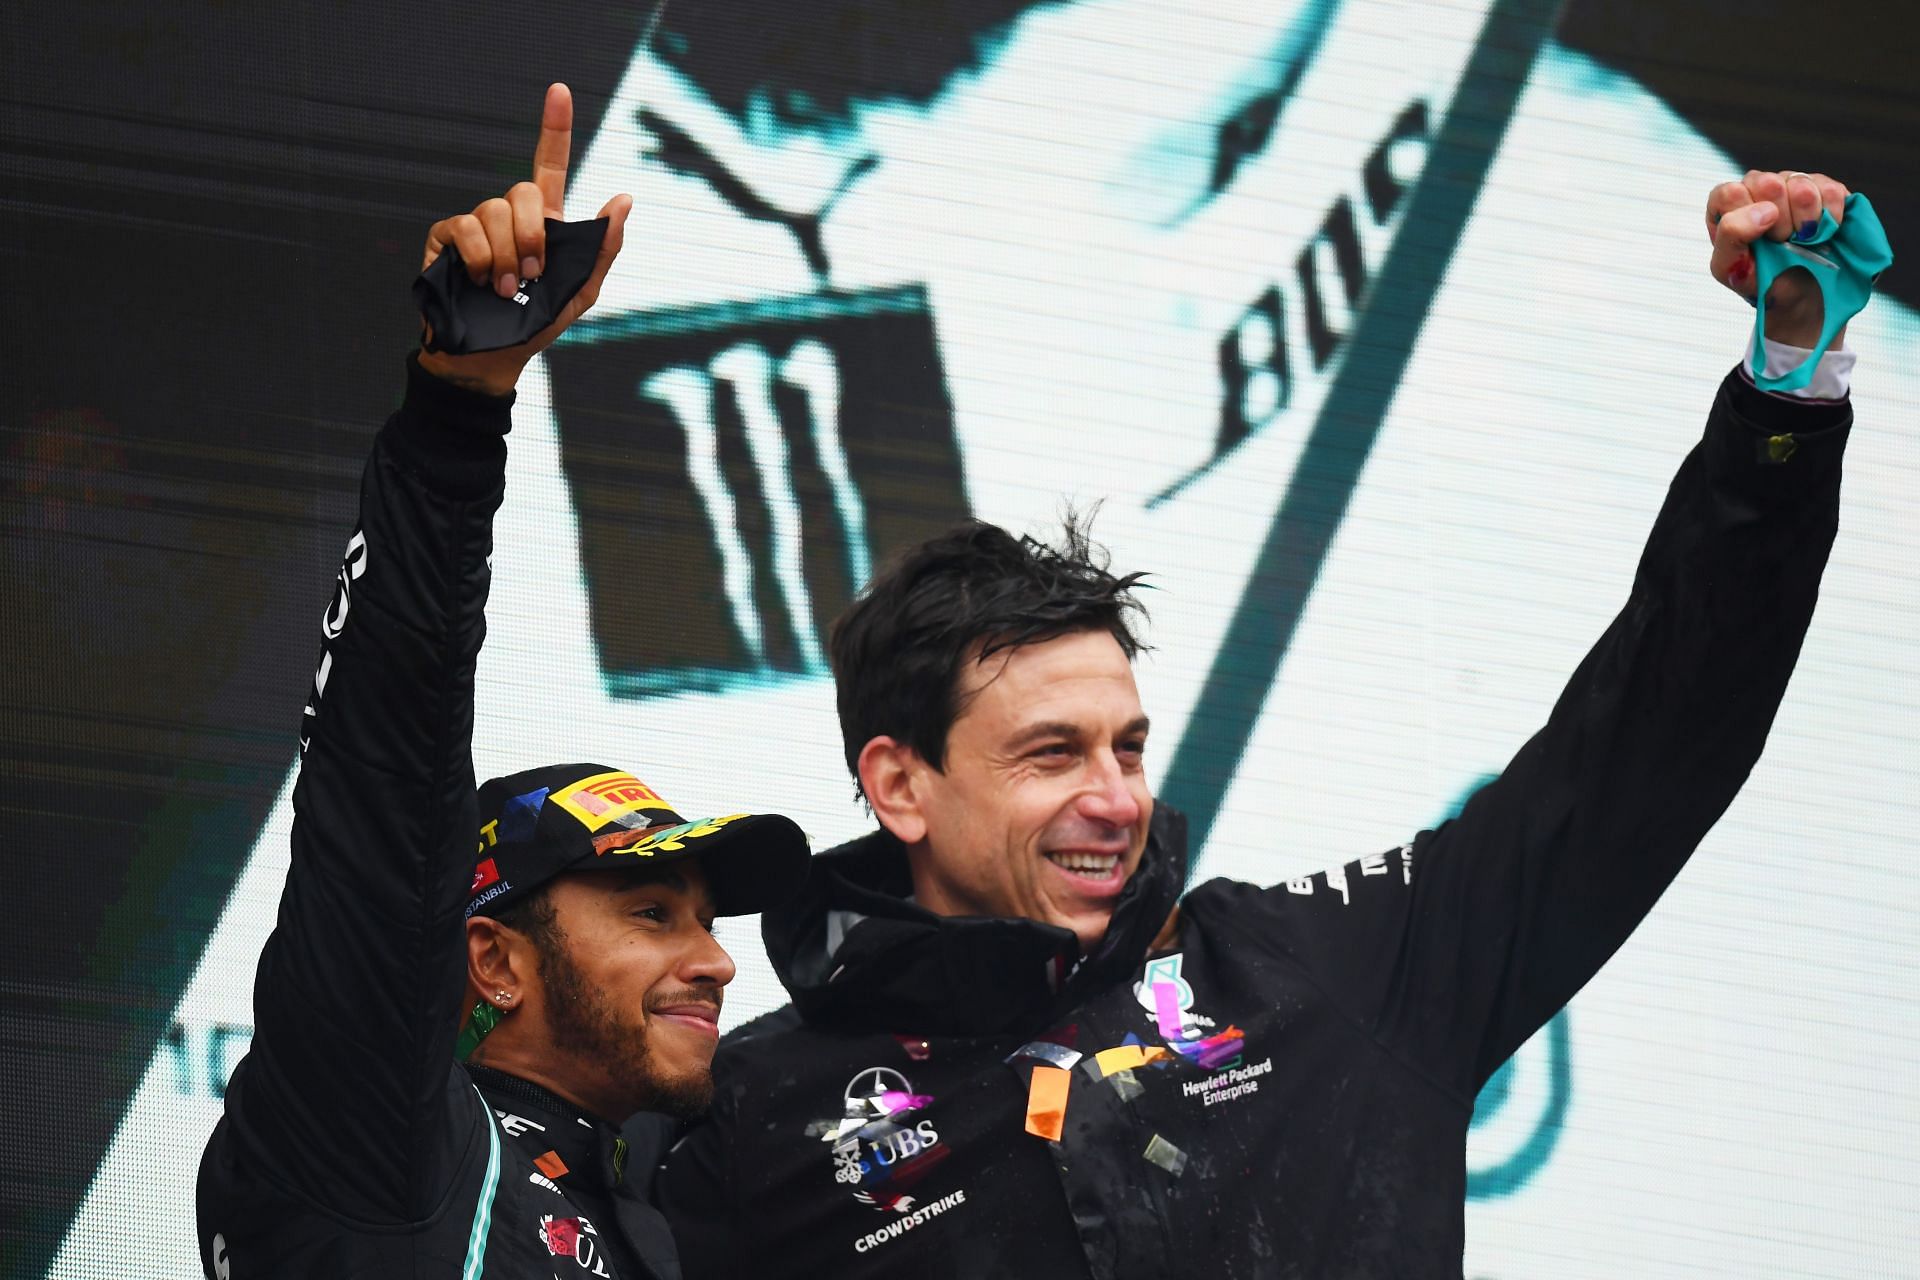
x,y
966,594
536,917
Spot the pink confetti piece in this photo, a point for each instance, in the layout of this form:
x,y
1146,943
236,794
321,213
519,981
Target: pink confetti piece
x,y
1166,1006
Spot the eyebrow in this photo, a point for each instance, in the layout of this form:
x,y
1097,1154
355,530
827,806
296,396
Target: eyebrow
x,y
1062,729
638,878
642,878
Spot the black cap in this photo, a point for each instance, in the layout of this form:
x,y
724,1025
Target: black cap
x,y
544,822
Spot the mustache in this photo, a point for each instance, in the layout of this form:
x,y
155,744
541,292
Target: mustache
x,y
1082,834
711,997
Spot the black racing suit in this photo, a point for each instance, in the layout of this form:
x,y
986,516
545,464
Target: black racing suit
x,y
353,1145
1372,1001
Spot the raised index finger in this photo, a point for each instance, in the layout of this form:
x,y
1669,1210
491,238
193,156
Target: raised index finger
x,y
556,143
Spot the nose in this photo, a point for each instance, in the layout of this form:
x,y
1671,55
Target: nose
x,y
1110,798
706,961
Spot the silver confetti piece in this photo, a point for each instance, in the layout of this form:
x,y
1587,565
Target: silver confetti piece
x,y
1046,1051
1169,1157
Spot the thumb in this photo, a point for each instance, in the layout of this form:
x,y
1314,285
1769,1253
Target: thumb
x,y
1732,237
615,212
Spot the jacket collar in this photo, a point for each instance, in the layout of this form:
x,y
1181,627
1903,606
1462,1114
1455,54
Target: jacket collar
x,y
855,954
588,1149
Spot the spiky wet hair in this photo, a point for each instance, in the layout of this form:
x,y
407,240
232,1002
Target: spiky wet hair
x,y
972,592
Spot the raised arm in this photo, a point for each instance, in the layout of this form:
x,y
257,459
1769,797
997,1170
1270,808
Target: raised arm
x,y
344,1097
1458,946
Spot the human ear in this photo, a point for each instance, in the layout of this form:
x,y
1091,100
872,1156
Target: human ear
x,y
888,769
495,967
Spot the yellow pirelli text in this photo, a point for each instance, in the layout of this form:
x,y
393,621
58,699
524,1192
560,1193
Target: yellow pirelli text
x,y
606,797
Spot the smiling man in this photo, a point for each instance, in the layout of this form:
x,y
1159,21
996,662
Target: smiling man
x,y
467,989
1015,1048
988,707
1042,721
592,969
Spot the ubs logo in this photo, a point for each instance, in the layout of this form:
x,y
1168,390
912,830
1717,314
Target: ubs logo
x,y
882,1142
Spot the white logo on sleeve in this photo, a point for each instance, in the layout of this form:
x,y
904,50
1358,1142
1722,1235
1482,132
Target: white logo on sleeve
x,y
352,565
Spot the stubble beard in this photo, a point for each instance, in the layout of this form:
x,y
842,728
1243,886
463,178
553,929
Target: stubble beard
x,y
587,1027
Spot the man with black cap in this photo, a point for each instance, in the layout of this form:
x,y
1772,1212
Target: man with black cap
x,y
575,862
354,1143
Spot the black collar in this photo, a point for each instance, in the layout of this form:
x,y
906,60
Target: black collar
x,y
855,954
587,1148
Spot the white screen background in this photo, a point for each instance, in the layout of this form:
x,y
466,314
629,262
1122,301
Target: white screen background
x,y
1740,1089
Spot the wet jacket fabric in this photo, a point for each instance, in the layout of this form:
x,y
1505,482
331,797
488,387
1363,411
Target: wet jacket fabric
x,y
877,1126
352,1144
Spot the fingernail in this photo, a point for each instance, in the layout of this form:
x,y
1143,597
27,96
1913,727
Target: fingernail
x,y
508,285
1765,213
1808,230
1739,270
529,269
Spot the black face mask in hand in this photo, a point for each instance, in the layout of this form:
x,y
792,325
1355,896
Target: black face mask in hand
x,y
467,318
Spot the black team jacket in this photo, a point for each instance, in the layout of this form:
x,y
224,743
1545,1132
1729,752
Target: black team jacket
x,y
877,1126
353,1146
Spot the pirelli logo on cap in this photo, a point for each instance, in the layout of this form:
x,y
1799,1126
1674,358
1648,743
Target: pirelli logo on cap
x,y
606,797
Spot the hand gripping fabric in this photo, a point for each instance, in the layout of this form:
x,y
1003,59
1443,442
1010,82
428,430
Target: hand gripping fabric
x,y
467,318
1844,259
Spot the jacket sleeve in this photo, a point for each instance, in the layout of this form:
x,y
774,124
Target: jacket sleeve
x,y
345,1095
1455,948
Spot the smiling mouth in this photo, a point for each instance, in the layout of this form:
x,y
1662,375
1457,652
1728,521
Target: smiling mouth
x,y
1093,866
703,1019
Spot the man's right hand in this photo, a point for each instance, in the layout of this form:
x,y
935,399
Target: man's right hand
x,y
505,240
1782,206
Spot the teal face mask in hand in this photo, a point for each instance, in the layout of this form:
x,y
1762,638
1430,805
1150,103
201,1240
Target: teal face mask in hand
x,y
1844,259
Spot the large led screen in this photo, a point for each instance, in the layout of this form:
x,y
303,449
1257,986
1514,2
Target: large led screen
x,y
1374,329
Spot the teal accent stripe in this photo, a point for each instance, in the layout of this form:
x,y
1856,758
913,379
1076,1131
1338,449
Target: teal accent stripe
x,y
1508,1177
483,1212
796,309
1377,352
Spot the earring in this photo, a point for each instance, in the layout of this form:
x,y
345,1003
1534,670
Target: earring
x,y
503,998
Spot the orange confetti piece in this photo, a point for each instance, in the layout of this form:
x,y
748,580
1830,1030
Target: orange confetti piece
x,y
1047,1102
1126,1057
551,1164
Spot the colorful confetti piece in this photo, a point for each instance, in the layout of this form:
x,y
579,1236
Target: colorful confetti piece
x,y
1166,1006
1046,1051
1047,1102
1127,1085
1125,1057
1163,1153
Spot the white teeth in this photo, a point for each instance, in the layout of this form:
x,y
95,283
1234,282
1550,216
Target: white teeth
x,y
1098,864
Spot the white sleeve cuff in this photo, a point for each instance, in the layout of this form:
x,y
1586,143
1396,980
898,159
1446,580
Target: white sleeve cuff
x,y
1832,377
